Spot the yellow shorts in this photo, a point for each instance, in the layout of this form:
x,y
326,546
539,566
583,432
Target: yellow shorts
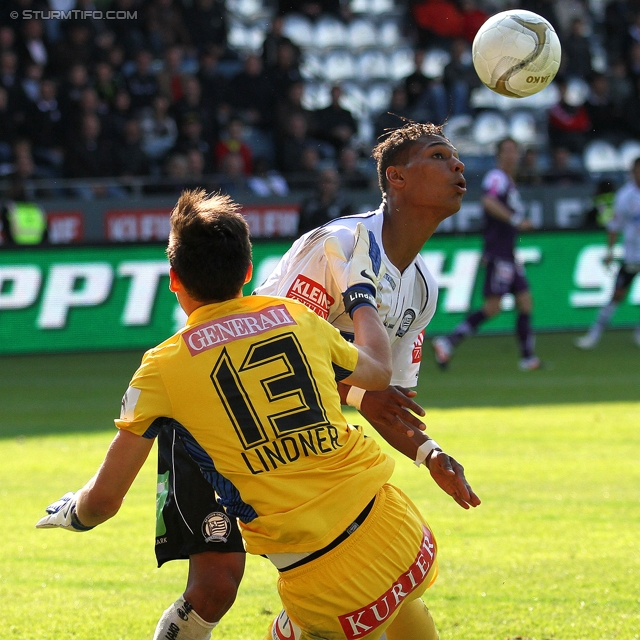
x,y
357,589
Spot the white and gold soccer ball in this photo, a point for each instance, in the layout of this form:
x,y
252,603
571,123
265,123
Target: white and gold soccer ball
x,y
516,53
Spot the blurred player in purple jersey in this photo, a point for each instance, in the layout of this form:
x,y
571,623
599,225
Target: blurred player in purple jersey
x,y
626,220
504,217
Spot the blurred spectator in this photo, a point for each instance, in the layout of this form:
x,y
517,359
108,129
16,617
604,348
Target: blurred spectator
x,y
616,20
10,80
7,39
576,52
232,176
349,169
32,48
290,104
45,118
171,78
620,85
88,156
190,137
438,22
529,172
75,48
272,42
71,89
395,116
563,172
165,25
294,143
206,22
326,204
473,17
426,97
459,78
545,8
232,141
633,59
601,110
192,104
159,130
31,83
266,181
285,72
118,115
250,92
197,164
130,33
129,158
568,122
335,123
142,85
7,127
566,13
106,84
212,82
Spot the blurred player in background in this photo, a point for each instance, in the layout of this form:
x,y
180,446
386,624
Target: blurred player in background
x,y
625,221
249,386
421,178
504,217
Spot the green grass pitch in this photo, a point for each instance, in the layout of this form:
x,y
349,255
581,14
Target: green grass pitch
x,y
553,553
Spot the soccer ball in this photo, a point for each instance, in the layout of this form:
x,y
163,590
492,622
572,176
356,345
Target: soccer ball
x,y
516,53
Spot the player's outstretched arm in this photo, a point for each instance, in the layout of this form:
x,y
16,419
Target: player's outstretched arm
x,y
101,497
358,279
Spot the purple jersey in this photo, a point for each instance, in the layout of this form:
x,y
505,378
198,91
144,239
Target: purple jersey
x,y
499,236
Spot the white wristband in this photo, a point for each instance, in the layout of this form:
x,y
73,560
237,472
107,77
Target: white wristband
x,y
424,450
354,397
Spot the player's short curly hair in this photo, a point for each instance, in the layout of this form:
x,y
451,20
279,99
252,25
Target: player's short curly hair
x,y
209,246
395,146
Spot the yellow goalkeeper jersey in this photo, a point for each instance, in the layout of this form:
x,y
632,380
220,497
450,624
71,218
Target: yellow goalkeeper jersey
x,y
252,383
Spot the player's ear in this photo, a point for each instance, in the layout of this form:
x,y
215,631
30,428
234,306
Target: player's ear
x,y
249,273
394,177
174,282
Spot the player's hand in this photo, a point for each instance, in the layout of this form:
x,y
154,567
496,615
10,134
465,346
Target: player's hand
x,y
525,225
362,272
393,407
62,514
449,476
608,259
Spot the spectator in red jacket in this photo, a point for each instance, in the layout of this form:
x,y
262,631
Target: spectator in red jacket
x,y
568,121
232,142
438,22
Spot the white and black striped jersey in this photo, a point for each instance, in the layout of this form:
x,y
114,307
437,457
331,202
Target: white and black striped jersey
x,y
626,220
407,301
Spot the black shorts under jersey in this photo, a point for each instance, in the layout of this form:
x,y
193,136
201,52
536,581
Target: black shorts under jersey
x,y
189,520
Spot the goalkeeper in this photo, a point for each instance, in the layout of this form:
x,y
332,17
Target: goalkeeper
x,y
253,379
421,178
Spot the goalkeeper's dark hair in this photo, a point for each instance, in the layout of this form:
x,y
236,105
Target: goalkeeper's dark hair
x,y
209,246
395,146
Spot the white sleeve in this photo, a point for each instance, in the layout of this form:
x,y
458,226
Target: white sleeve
x,y
303,274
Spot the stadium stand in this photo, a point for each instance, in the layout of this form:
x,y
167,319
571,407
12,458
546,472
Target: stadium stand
x,y
164,81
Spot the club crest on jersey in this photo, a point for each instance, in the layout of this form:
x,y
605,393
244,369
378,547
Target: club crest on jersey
x,y
312,294
284,629
216,527
407,320
416,354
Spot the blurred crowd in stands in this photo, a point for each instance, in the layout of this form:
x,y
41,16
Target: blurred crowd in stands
x,y
161,94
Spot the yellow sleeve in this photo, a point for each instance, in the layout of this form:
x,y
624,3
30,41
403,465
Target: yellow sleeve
x,y
146,401
344,355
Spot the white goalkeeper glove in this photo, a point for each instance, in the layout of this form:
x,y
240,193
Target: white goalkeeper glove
x,y
357,278
62,513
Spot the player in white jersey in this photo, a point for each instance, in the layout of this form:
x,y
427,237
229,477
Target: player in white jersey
x,y
421,178
626,221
